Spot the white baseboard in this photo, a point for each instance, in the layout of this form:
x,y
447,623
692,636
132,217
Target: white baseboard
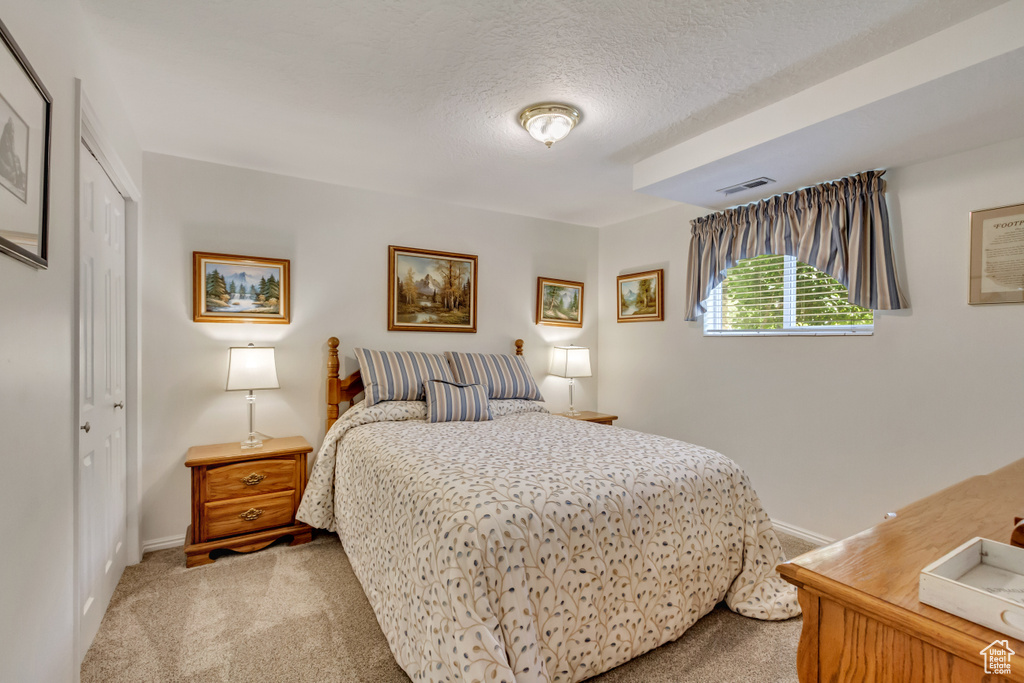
x,y
170,542
802,534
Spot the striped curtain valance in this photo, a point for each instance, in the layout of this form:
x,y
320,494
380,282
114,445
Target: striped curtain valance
x,y
452,402
840,228
504,376
399,375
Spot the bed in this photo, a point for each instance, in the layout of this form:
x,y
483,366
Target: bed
x,y
531,547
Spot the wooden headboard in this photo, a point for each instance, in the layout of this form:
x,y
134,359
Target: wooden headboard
x,y
344,390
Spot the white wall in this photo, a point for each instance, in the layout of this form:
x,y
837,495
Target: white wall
x,y
336,239
836,431
37,337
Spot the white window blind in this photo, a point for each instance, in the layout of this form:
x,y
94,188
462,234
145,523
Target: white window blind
x,y
780,295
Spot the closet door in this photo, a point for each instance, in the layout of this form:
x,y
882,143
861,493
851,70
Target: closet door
x,y
101,471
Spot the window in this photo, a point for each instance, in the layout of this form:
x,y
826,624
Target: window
x,y
780,295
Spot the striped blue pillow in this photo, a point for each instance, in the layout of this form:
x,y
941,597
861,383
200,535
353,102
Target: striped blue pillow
x,y
399,375
504,376
453,402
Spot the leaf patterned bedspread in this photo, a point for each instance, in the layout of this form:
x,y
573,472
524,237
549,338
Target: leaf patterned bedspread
x,y
534,547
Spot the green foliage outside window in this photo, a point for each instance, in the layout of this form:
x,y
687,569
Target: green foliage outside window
x,y
754,297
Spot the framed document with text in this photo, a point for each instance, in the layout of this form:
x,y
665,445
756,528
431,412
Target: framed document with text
x,y
997,255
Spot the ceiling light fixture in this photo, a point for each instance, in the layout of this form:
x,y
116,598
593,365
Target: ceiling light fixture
x,y
549,122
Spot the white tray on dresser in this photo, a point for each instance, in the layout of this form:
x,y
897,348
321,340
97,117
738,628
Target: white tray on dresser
x,y
982,581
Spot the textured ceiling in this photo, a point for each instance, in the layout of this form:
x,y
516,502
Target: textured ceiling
x,y
421,98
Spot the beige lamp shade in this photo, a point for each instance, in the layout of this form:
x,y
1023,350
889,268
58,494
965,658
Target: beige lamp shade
x,y
251,367
570,361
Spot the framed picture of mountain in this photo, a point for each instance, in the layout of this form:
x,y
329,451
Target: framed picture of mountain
x,y
240,289
640,296
24,156
431,291
559,302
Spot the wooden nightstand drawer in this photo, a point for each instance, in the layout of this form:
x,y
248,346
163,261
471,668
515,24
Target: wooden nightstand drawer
x,y
250,478
245,515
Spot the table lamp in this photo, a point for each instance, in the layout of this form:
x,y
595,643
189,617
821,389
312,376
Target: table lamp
x,y
250,368
572,362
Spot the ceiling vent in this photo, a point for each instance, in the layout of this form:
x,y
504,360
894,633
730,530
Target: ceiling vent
x,y
746,185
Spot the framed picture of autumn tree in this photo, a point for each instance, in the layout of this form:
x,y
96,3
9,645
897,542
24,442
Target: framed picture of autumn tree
x,y
240,289
431,291
640,296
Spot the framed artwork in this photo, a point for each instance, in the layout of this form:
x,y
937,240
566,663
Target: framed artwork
x,y
240,289
431,291
25,112
997,255
559,302
640,296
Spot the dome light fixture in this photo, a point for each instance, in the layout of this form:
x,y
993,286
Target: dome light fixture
x,y
549,122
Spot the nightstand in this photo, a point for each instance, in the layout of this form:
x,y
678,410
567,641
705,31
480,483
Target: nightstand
x,y
245,499
591,416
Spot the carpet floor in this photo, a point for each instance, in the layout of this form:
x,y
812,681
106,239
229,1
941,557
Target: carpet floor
x,y
299,614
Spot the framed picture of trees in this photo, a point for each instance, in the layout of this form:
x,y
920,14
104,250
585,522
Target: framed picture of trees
x,y
640,296
431,291
240,289
559,302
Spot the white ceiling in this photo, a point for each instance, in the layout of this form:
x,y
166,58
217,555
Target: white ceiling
x,y
421,97
959,89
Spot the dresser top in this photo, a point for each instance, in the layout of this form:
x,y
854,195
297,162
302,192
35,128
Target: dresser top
x,y
881,566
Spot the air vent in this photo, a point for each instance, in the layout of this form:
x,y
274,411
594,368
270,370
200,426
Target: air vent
x,y
747,185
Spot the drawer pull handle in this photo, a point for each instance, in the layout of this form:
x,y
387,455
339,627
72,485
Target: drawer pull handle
x,y
253,479
250,515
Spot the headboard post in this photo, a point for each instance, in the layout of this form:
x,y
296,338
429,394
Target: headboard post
x,y
333,395
519,347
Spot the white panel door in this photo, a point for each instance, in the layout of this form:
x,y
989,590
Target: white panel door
x,y
102,491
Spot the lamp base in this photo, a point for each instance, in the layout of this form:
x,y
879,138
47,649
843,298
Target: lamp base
x,y
572,412
254,440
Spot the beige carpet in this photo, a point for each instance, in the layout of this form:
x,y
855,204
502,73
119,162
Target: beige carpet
x,y
298,614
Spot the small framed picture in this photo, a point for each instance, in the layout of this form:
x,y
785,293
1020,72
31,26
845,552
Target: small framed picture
x,y
240,289
559,302
431,291
640,297
25,114
997,255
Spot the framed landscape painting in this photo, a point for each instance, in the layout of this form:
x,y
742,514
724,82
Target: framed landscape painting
x,y
640,296
240,289
24,156
559,302
431,291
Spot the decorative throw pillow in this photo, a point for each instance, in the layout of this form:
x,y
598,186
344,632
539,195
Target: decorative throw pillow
x,y
504,376
399,375
453,402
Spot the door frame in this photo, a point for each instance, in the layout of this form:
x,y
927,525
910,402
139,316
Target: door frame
x,y
89,130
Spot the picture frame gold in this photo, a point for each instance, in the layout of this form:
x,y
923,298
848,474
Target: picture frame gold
x,y
559,302
227,288
431,291
997,255
640,297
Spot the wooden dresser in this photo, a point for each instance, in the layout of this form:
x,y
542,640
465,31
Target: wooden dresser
x,y
862,617
245,500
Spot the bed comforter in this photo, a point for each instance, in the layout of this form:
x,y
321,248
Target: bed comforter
x,y
537,548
